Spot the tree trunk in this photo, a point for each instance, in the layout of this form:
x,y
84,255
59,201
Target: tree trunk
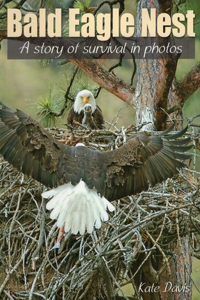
x,y
168,280
158,280
155,78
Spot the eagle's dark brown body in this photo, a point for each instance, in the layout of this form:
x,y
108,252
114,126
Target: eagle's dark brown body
x,y
143,160
96,115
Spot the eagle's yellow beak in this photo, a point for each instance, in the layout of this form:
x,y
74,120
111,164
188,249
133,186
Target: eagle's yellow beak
x,y
85,99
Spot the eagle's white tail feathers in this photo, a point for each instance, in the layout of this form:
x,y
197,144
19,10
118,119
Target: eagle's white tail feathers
x,y
78,207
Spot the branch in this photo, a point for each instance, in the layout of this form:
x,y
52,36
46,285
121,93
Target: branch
x,y
105,79
181,91
66,97
188,85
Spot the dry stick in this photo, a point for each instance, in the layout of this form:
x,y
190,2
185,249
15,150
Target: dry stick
x,y
140,266
63,291
62,281
36,277
8,175
188,214
150,250
107,280
74,267
155,215
11,186
146,258
161,251
12,225
159,248
10,273
114,280
77,295
66,277
116,117
87,288
42,229
26,246
9,296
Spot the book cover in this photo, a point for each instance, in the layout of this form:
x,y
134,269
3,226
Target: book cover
x,y
96,75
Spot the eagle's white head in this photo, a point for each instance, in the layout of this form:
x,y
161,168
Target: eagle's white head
x,y
82,98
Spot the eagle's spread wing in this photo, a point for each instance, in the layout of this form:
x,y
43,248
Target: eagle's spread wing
x,y
31,149
144,159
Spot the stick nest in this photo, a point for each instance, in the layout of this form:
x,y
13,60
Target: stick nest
x,y
90,266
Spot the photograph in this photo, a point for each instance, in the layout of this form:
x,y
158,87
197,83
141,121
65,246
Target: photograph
x,y
99,150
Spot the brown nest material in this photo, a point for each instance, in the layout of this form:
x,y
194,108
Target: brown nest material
x,y
89,266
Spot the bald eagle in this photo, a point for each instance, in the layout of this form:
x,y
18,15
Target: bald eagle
x,y
76,113
83,181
